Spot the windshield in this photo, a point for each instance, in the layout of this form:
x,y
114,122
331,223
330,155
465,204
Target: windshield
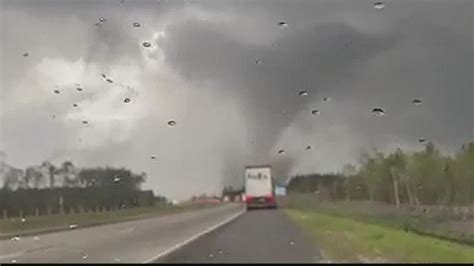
x,y
142,117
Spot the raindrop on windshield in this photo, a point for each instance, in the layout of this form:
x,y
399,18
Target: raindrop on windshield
x,y
146,44
103,75
220,251
259,61
109,80
153,157
13,261
79,89
54,116
378,111
292,242
26,54
36,238
57,91
172,123
15,238
85,122
379,5
136,24
416,102
421,140
303,93
117,260
127,100
315,112
281,152
308,148
282,24
23,220
210,255
325,99
75,105
102,19
84,255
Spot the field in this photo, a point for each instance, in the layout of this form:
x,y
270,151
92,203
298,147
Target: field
x,y
50,223
371,232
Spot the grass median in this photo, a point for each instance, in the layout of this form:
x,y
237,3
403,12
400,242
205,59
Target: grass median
x,y
345,239
57,222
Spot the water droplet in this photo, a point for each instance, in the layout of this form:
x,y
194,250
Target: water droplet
x,y
127,100
378,111
103,75
13,261
172,123
292,242
75,105
72,226
282,24
23,220
136,24
258,61
281,152
15,238
26,54
109,80
79,89
379,5
416,102
54,116
210,255
421,140
36,238
102,19
303,93
57,91
220,251
116,179
315,112
153,157
308,148
146,44
84,255
325,99
85,122
117,260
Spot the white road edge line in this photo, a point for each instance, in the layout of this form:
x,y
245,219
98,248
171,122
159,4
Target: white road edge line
x,y
212,228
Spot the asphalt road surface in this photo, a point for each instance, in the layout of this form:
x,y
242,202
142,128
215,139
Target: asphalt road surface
x,y
132,242
259,236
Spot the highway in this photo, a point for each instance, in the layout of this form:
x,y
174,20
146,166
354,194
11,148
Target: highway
x,y
222,234
132,242
258,236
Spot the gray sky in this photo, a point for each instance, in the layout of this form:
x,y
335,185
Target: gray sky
x,y
201,71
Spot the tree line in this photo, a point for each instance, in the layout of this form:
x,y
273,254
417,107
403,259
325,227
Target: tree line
x,y
418,178
102,189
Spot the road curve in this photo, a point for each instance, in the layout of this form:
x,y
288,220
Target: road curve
x,y
132,242
258,236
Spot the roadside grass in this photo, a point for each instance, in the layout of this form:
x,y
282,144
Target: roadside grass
x,y
344,239
38,224
379,214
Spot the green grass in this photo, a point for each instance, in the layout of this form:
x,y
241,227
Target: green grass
x,y
366,212
37,224
345,239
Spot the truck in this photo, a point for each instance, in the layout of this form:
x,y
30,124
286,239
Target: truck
x,y
259,187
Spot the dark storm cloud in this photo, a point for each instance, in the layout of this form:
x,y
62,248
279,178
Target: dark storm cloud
x,y
231,111
315,59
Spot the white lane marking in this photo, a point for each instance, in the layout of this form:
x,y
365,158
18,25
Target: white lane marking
x,y
212,228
